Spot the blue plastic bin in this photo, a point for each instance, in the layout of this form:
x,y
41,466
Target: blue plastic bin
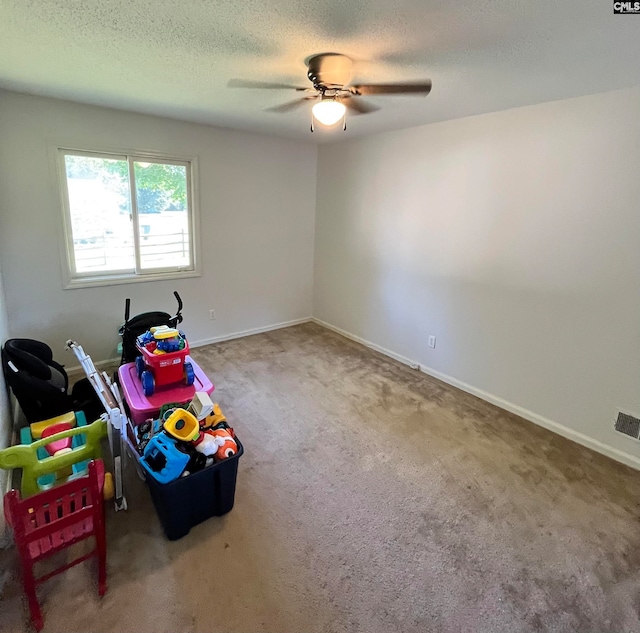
x,y
189,500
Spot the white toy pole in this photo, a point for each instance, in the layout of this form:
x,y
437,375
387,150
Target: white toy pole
x,y
109,395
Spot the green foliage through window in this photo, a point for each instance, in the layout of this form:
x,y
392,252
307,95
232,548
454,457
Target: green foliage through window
x,y
105,235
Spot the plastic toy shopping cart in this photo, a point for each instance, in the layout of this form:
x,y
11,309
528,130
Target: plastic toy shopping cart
x,y
139,324
157,367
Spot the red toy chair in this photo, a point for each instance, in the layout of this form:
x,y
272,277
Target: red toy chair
x,y
53,520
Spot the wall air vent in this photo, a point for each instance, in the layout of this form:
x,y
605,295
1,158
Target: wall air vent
x,y
628,424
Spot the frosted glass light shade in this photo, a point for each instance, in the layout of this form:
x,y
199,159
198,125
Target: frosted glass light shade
x,y
328,111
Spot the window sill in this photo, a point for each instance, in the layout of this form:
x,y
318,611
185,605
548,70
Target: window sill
x,y
117,280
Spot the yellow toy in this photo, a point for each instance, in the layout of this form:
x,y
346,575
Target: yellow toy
x,y
182,425
38,427
213,418
161,332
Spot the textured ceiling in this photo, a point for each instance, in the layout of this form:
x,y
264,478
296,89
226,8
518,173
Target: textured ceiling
x,y
175,57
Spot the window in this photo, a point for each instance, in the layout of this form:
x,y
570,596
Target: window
x,y
126,217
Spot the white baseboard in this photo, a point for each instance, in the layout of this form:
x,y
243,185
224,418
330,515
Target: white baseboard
x,y
77,371
560,429
257,330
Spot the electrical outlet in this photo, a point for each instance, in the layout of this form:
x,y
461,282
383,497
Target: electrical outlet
x,y
432,341
212,314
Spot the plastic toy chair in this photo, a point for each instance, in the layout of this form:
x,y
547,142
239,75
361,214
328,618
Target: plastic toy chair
x,y
54,520
35,469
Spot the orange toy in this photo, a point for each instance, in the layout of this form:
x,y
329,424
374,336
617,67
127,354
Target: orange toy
x,y
227,445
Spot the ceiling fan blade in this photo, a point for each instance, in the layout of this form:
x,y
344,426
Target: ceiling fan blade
x,y
358,106
248,83
419,88
290,105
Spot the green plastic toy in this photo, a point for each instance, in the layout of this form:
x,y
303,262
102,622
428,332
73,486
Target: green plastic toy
x,y
38,473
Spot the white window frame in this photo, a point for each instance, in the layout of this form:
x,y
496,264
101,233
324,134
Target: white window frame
x,y
74,279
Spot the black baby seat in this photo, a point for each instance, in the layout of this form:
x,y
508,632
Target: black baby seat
x,y
40,384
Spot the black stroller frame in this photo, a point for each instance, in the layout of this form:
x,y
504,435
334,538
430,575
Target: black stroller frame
x,y
139,324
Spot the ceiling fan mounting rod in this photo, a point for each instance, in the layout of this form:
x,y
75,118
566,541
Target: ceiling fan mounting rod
x,y
329,92
329,70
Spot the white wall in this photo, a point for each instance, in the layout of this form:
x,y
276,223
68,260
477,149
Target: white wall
x,y
5,411
514,238
257,204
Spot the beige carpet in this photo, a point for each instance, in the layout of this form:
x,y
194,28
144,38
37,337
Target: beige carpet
x,y
370,498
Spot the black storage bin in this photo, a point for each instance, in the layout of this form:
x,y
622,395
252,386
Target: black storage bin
x,y
189,500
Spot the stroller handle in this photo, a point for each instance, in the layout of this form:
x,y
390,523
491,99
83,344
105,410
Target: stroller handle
x,y
179,300
127,309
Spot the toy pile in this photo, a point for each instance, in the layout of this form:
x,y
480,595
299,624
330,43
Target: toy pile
x,y
183,446
162,358
185,440
55,451
162,339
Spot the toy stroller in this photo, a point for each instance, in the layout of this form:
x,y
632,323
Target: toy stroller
x,y
139,324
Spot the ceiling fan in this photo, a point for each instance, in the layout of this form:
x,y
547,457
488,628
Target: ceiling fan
x,y
331,75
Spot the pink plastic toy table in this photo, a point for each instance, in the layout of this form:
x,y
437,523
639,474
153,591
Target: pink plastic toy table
x,y
143,407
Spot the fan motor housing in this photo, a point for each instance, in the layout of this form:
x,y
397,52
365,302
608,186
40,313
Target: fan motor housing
x,y
329,70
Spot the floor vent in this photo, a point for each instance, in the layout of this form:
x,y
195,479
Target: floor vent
x,y
628,424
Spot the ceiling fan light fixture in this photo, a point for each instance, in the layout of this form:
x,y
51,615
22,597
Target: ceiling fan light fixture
x,y
328,111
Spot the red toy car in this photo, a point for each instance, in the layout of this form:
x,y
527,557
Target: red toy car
x,y
163,360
